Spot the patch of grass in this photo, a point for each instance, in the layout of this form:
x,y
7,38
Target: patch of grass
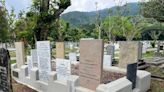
x,y
155,71
148,54
156,86
12,61
12,54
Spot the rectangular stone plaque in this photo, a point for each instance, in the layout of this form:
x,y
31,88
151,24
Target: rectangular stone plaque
x,y
20,54
110,50
63,69
44,59
91,63
130,52
132,73
60,50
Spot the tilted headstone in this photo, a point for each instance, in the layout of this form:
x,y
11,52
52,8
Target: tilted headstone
x,y
34,57
5,71
110,50
107,61
132,73
20,54
130,52
60,50
91,63
63,69
44,59
30,63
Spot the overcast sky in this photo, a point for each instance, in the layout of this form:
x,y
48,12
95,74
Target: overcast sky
x,y
76,5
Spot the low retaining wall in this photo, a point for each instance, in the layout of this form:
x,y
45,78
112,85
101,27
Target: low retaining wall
x,y
72,84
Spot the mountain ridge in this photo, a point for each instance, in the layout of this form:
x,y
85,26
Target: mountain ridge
x,y
77,18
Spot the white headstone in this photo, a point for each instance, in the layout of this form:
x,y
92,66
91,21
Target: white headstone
x,y
44,59
72,57
63,69
34,57
30,63
107,60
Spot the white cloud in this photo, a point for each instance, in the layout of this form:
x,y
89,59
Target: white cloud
x,y
89,5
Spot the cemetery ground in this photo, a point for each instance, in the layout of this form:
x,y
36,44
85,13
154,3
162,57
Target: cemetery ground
x,y
157,85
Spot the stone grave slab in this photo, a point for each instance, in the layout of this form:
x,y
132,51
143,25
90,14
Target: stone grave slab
x,y
5,73
44,59
20,54
60,50
30,63
107,61
110,50
132,73
91,63
72,56
130,52
63,69
34,57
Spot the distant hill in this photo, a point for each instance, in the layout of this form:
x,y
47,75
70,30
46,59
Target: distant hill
x,y
77,18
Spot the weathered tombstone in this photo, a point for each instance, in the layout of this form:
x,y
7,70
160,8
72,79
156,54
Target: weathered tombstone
x,y
110,50
72,56
20,54
91,63
132,73
130,52
60,50
5,71
30,63
44,59
63,69
107,61
34,57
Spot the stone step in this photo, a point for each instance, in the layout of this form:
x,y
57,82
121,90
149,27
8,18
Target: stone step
x,y
143,67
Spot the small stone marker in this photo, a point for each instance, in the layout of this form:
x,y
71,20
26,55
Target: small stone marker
x,y
107,62
34,57
91,63
30,63
44,59
130,52
110,50
132,73
60,50
72,56
20,54
63,69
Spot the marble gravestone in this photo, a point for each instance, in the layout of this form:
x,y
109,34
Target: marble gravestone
x,y
63,69
91,63
20,54
34,57
72,56
107,61
30,63
44,59
60,50
130,52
